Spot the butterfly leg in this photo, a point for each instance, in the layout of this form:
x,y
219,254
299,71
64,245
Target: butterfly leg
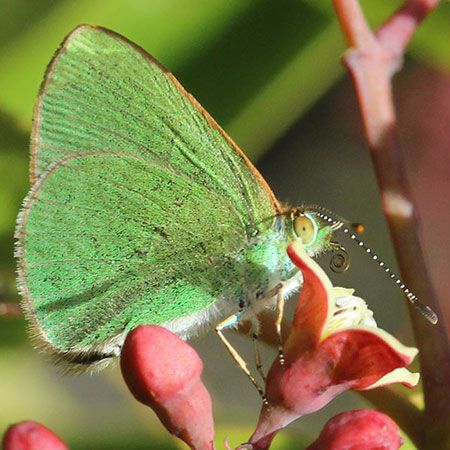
x,y
255,336
229,322
278,320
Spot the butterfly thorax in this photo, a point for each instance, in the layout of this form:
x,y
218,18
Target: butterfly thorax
x,y
265,264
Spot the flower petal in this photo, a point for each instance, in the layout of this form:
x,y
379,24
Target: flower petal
x,y
361,357
402,375
316,304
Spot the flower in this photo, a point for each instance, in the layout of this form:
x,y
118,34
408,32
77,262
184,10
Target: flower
x,y
163,372
334,346
361,429
31,436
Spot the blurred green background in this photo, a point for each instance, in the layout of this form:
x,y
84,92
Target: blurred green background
x,y
269,72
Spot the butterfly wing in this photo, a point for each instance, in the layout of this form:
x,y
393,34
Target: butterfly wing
x,y
109,241
104,93
140,201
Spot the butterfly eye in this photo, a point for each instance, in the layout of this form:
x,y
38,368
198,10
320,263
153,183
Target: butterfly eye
x,y
305,228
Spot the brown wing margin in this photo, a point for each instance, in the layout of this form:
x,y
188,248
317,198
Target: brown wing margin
x,y
152,60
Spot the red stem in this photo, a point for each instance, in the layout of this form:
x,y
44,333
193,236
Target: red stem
x,y
396,33
371,61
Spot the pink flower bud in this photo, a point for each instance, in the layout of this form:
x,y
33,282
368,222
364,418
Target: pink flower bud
x,y
362,429
163,372
31,436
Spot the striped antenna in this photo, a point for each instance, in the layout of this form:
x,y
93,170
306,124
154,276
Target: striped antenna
x,y
340,223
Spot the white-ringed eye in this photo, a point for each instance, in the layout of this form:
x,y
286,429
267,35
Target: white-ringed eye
x,y
306,228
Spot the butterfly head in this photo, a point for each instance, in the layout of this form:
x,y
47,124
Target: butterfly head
x,y
315,233
315,226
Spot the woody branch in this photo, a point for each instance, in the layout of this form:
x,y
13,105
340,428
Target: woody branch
x,y
372,60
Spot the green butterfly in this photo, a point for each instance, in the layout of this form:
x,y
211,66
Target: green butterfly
x,y
142,210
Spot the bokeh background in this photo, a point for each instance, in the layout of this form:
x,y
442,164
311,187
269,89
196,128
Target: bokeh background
x,y
269,72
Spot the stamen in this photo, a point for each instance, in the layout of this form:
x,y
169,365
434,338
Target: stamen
x,y
350,311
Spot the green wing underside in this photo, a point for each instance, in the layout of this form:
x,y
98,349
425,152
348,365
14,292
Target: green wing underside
x,y
98,261
139,203
103,93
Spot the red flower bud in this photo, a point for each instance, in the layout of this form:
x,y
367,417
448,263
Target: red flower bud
x,y
163,372
362,429
31,436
